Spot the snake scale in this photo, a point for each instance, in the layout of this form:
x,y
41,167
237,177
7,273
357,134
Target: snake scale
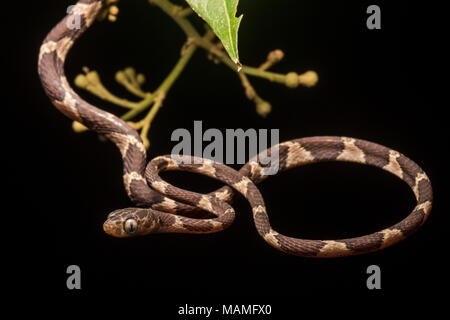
x,y
163,208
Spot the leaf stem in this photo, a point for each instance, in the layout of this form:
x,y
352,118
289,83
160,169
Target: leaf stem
x,y
132,82
205,43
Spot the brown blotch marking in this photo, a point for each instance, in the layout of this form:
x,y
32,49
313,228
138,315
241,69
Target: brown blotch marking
x,y
283,157
231,194
425,192
261,223
191,212
59,66
161,164
226,175
226,218
246,170
217,206
134,160
196,197
147,223
103,122
91,120
61,30
299,247
141,214
365,243
375,155
254,196
266,156
142,195
324,149
49,77
411,223
410,170
167,220
190,167
185,196
196,226
170,190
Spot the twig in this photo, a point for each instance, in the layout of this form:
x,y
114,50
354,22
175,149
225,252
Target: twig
x,y
132,82
263,108
165,86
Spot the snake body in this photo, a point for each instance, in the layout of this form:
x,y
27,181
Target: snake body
x,y
163,208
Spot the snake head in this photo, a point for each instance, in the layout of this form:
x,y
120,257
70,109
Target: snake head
x,y
131,222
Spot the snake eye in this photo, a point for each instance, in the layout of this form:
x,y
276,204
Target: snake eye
x,y
130,226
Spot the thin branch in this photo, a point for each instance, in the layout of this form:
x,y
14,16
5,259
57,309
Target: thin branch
x,y
91,82
132,82
205,43
166,84
263,108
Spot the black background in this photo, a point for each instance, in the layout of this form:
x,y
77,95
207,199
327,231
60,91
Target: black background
x,y
373,85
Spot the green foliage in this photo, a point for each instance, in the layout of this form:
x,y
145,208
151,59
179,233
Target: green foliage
x,y
221,17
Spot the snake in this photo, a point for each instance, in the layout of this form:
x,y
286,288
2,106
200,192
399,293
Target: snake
x,y
163,208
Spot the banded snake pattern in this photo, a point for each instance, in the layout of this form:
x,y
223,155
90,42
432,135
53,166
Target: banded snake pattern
x,y
163,208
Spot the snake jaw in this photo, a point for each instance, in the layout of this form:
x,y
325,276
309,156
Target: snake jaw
x,y
144,221
113,228
114,225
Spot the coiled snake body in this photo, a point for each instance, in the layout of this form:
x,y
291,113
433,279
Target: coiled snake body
x,y
162,208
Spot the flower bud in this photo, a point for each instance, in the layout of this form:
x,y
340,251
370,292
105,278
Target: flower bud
x,y
263,108
112,18
275,56
78,127
81,81
120,77
130,72
309,78
114,10
93,77
140,78
292,80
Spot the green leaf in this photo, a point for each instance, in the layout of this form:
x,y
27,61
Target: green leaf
x,y
221,17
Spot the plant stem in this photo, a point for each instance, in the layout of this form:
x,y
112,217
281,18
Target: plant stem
x,y
106,95
271,76
165,86
134,89
205,43
147,121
